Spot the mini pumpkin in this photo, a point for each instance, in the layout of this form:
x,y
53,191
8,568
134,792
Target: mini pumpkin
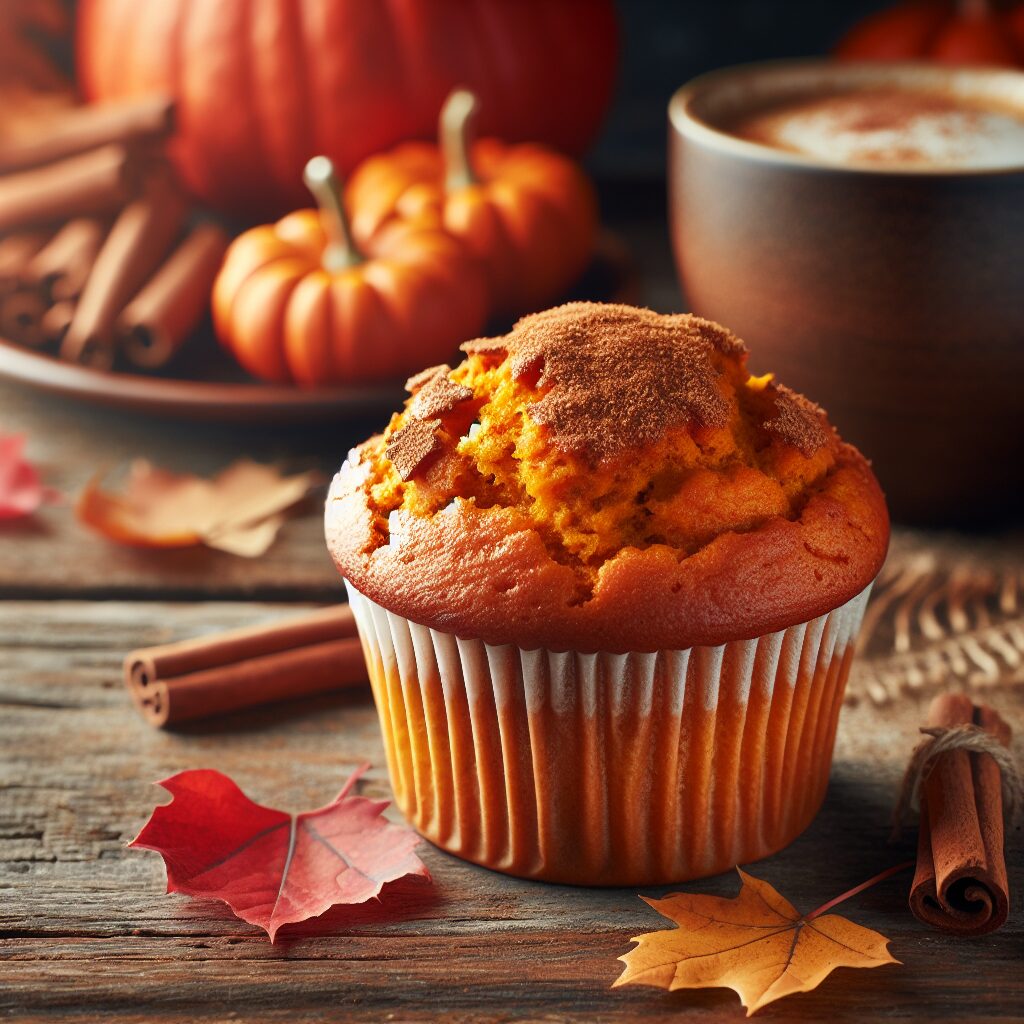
x,y
299,301
527,213
965,32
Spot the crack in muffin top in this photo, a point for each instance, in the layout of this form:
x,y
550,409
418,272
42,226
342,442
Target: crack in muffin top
x,y
606,478
615,377
602,427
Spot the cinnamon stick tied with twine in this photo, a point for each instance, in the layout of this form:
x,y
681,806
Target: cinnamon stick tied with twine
x,y
193,679
966,782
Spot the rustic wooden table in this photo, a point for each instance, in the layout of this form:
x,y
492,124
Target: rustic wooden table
x,y
87,933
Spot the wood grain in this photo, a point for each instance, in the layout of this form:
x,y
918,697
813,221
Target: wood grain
x,y
53,553
87,930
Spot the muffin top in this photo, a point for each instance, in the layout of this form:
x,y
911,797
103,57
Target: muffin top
x,y
606,478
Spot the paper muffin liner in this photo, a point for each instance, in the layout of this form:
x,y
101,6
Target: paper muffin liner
x,y
608,769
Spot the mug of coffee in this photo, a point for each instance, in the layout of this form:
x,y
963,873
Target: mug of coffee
x,y
862,227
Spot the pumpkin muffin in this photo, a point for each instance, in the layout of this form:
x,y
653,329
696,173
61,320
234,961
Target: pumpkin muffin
x,y
608,585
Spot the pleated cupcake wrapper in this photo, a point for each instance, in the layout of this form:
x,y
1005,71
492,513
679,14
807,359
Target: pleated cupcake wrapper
x,y
608,769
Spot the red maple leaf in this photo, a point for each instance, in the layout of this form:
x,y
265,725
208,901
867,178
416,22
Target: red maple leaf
x,y
21,490
270,867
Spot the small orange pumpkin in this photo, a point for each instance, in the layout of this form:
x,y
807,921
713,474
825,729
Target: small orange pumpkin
x,y
965,32
299,301
527,213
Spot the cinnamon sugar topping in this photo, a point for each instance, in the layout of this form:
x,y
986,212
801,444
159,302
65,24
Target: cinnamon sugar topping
x,y
484,346
412,444
616,377
424,377
440,394
798,422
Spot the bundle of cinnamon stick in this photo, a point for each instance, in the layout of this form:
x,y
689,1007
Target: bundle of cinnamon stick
x,y
100,253
960,775
208,676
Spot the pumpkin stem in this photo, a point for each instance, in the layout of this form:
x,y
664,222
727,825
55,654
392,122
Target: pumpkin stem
x,y
455,132
322,180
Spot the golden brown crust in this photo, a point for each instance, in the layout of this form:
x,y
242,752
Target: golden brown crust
x,y
478,573
606,478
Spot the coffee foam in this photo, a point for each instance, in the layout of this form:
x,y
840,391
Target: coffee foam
x,y
891,126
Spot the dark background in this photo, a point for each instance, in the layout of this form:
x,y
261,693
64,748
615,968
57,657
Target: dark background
x,y
667,42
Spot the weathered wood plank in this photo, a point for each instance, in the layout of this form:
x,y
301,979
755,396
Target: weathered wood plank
x,y
87,931
563,976
52,553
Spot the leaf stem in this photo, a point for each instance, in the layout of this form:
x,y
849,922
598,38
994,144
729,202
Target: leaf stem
x,y
455,130
322,180
874,880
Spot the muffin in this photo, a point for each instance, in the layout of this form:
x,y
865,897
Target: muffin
x,y
608,585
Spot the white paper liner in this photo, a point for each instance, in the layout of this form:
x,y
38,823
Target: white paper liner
x,y
608,769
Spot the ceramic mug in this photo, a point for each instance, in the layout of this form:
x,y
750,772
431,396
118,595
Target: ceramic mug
x,y
894,297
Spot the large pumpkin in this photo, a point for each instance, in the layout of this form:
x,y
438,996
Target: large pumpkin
x,y
263,85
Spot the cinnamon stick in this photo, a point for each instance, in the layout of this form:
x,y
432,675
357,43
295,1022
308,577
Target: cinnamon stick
x,y
16,252
210,675
21,316
88,127
138,241
55,322
157,322
61,267
93,182
960,885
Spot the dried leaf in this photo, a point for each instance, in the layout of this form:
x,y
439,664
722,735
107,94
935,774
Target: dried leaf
x,y
270,867
238,511
755,944
21,490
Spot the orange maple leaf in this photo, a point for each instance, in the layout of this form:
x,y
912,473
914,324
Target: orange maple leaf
x,y
756,944
240,510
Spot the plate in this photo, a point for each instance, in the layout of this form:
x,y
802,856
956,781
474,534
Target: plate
x,y
241,401
205,384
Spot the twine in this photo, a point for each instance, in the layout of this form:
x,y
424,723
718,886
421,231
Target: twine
x,y
941,741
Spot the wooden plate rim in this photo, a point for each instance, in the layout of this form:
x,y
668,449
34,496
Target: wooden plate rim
x,y
212,399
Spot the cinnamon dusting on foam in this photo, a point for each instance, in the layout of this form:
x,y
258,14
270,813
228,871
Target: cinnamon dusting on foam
x,y
888,126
